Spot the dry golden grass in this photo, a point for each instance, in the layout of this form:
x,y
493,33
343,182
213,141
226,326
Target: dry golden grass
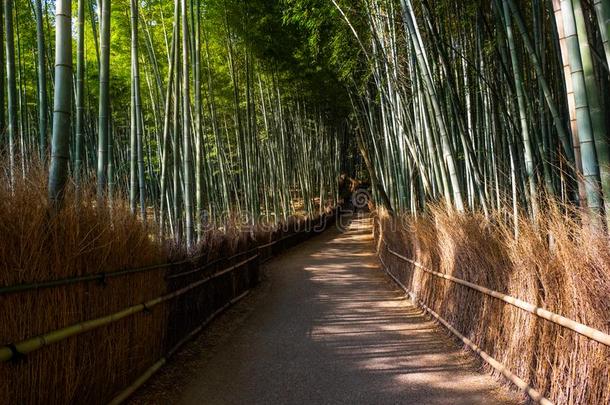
x,y
35,246
558,265
81,239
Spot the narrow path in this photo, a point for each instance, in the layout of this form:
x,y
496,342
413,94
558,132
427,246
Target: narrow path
x,y
327,327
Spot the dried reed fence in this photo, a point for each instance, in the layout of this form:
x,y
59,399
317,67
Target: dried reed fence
x,y
559,266
90,324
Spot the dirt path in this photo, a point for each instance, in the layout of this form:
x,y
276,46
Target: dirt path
x,y
326,327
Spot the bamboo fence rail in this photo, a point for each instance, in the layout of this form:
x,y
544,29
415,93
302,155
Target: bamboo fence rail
x,y
127,392
101,277
14,350
533,393
587,331
582,329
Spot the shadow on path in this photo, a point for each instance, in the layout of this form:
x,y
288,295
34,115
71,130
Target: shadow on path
x,y
329,328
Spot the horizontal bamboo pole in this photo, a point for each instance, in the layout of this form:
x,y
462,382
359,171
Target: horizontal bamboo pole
x,y
91,277
587,331
9,352
283,238
79,279
106,275
127,392
269,244
534,394
208,265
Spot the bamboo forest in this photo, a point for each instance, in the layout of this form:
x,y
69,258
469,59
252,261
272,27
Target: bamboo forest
x,y
305,201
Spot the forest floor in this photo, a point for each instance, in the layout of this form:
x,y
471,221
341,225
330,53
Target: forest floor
x,y
326,326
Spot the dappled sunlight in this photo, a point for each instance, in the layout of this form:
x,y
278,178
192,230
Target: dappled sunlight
x,y
335,330
372,328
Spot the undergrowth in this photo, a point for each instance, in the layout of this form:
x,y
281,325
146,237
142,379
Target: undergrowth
x,y
557,264
38,244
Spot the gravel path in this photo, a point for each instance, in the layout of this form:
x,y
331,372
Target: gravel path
x,y
326,327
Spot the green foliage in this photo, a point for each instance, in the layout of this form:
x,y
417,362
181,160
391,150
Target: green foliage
x,y
329,39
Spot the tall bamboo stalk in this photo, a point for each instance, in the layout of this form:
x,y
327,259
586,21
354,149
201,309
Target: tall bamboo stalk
x,y
11,85
80,93
104,100
186,131
2,76
602,10
137,184
62,111
583,117
523,119
448,152
598,121
42,82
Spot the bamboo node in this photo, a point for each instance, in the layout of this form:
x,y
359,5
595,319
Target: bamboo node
x,y
16,355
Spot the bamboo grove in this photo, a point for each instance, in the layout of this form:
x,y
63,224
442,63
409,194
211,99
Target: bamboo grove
x,y
169,105
483,105
195,109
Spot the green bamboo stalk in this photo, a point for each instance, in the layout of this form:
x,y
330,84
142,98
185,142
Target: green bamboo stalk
x,y
2,77
111,162
602,10
60,147
42,82
567,74
448,153
80,93
176,152
585,130
23,146
521,101
136,128
557,120
186,130
598,121
133,153
164,195
199,142
104,100
11,85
